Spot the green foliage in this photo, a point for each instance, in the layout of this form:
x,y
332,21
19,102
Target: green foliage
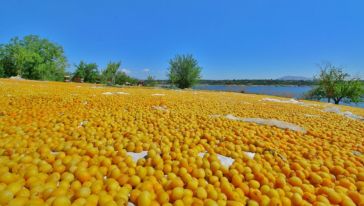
x,y
122,78
334,84
184,71
150,82
109,74
33,58
88,71
2,72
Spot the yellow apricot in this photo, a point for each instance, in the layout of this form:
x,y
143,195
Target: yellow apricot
x,y
254,184
145,198
84,192
253,203
297,199
5,197
18,201
163,197
286,201
275,201
295,181
264,200
134,180
177,193
61,201
315,179
201,193
334,197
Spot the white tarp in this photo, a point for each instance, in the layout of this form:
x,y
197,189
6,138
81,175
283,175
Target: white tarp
x,y
111,93
227,161
357,153
17,77
161,108
292,101
158,94
83,123
122,93
346,114
136,156
270,122
250,154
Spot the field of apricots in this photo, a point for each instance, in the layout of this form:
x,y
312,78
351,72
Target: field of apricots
x,y
85,144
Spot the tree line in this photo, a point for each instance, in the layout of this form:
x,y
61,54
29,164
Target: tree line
x,y
36,58
33,57
111,75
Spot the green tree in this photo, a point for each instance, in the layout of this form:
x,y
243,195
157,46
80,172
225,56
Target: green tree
x,y
33,58
122,78
336,85
109,74
2,72
184,71
88,71
150,82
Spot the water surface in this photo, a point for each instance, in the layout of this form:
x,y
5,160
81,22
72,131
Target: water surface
x,y
296,92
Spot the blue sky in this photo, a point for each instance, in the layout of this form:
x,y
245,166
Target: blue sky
x,y
242,39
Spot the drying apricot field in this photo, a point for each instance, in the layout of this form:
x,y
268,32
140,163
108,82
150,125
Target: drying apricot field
x,y
84,144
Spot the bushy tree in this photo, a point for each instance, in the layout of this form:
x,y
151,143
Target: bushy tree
x,y
2,72
109,74
184,71
150,82
336,85
88,71
33,58
123,78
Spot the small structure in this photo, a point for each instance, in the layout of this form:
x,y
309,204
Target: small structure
x,y
78,79
67,78
140,83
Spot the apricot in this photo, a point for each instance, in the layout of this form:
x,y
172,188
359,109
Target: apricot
x,y
6,196
61,200
145,198
177,193
295,181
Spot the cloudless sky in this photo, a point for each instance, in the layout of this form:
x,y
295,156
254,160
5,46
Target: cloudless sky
x,y
242,39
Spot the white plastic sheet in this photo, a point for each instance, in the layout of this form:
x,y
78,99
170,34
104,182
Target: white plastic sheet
x,y
136,156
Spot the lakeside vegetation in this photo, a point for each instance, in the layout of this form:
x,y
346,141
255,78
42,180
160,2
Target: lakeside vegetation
x,y
251,82
334,84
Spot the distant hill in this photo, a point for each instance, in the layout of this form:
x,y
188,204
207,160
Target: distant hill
x,y
294,78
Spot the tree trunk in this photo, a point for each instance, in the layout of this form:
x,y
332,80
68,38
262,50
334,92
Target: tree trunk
x,y
337,100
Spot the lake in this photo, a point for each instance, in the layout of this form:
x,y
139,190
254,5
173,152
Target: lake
x,y
296,92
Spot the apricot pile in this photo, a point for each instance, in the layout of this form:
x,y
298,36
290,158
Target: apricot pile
x,y
69,144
